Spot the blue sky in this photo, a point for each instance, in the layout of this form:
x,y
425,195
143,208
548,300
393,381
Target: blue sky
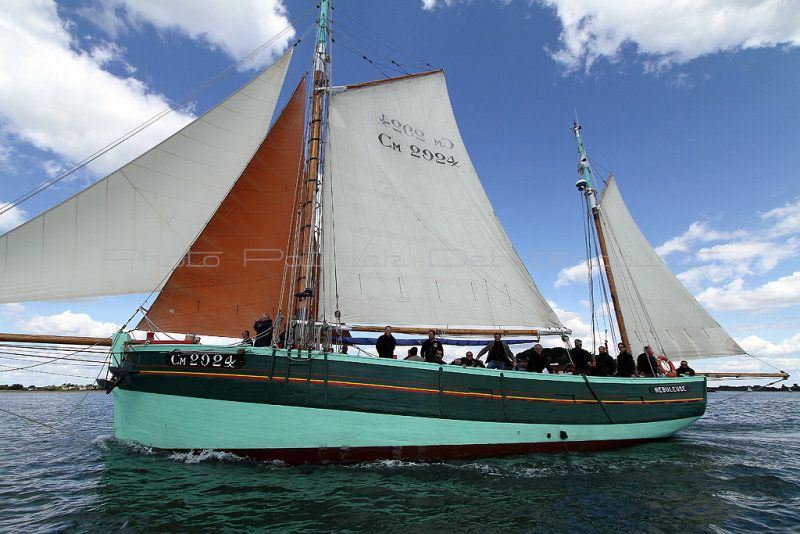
x,y
693,110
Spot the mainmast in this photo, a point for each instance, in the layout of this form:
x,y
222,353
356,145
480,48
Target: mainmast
x,y
306,259
584,185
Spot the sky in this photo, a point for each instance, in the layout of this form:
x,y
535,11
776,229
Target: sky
x,y
692,106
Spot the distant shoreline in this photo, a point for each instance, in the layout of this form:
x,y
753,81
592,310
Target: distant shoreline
x,y
52,391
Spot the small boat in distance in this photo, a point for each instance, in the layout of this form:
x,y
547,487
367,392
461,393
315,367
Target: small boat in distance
x,y
332,221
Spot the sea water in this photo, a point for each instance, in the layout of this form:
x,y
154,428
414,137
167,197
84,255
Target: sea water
x,y
735,470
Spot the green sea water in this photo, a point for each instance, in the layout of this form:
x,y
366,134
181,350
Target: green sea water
x,y
735,470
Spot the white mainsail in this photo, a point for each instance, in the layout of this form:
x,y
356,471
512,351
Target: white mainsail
x,y
656,307
127,231
409,235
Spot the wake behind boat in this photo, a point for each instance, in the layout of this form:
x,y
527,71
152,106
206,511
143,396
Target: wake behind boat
x,y
333,221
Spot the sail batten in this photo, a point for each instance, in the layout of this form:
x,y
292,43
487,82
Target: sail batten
x,y
127,231
656,307
409,235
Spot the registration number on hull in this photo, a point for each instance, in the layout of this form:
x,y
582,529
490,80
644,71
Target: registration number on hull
x,y
205,359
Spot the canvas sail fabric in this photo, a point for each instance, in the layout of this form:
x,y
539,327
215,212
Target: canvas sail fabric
x,y
127,231
409,235
657,309
233,271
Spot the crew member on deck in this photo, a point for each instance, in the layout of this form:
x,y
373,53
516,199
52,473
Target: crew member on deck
x,y
430,346
438,357
646,362
413,356
246,339
386,343
499,356
469,361
625,365
684,369
539,361
604,365
263,328
580,358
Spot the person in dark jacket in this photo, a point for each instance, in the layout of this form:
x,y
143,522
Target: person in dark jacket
x,y
580,358
386,343
263,328
604,364
539,361
430,346
684,369
499,355
469,360
646,362
438,357
625,365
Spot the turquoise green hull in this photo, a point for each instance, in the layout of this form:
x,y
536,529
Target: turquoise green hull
x,y
318,407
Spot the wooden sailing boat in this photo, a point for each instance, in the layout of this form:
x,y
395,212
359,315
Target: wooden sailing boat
x,y
368,212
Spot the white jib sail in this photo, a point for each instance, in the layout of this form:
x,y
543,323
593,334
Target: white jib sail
x,y
657,309
409,236
126,232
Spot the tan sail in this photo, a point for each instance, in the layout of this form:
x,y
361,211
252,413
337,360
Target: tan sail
x,y
233,271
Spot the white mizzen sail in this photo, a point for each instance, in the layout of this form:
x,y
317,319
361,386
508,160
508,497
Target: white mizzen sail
x,y
409,236
656,307
126,232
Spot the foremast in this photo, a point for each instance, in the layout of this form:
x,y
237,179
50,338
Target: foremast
x,y
586,186
306,254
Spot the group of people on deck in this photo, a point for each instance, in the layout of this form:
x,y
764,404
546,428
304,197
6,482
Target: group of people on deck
x,y
499,356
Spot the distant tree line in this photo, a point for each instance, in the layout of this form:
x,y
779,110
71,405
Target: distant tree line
x,y
62,387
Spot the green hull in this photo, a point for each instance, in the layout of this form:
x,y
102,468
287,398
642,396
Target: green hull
x,y
273,404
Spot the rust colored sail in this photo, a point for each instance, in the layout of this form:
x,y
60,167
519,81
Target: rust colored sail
x,y
233,271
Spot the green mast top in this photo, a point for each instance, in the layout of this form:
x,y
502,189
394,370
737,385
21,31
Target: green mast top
x,y
583,160
322,27
585,182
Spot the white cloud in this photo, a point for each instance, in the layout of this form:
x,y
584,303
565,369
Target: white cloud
x,y
11,218
668,32
780,293
60,99
12,308
236,28
698,232
784,220
578,273
570,275
67,324
761,347
430,5
573,321
766,254
715,273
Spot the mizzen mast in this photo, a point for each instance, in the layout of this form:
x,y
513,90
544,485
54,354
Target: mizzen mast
x,y
585,186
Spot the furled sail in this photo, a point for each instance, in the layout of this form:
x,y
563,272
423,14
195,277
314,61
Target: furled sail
x,y
656,307
409,235
126,232
233,271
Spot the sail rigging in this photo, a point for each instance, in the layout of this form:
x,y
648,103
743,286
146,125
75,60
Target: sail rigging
x,y
125,233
